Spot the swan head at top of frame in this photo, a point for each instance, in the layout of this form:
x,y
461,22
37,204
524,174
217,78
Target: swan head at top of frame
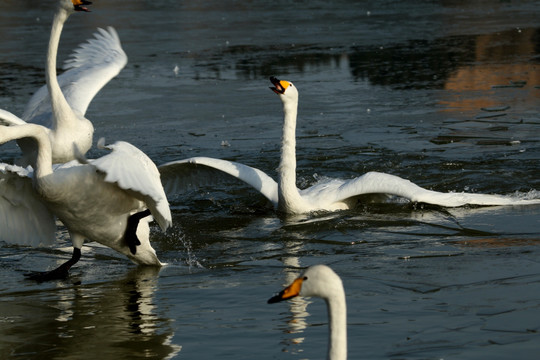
x,y
79,5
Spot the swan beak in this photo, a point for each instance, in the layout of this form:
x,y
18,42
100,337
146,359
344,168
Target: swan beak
x,y
289,292
279,85
79,5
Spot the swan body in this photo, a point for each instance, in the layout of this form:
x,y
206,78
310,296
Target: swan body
x,y
321,281
95,200
330,195
61,104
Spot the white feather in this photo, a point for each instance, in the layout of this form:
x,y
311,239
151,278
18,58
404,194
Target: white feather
x,y
89,68
132,170
194,172
24,219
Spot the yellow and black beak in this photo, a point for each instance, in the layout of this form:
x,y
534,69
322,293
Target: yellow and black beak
x,y
79,5
289,292
279,85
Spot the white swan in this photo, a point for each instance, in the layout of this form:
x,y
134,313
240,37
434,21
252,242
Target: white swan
x,y
321,281
92,65
101,200
331,195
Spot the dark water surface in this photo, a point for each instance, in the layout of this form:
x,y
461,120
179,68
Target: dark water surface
x,y
446,94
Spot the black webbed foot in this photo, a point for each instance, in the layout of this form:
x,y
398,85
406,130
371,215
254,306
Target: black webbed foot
x,y
60,273
131,230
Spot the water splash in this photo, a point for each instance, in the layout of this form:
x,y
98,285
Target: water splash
x,y
177,237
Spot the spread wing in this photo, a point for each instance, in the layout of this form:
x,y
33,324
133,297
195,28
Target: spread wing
x,y
380,183
132,170
90,67
24,219
177,176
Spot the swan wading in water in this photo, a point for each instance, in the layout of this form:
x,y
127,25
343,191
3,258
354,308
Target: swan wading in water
x,y
335,194
107,200
321,281
61,104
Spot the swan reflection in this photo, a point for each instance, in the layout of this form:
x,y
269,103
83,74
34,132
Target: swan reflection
x,y
296,320
104,319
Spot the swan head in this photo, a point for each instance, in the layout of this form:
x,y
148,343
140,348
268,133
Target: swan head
x,y
75,5
285,89
317,281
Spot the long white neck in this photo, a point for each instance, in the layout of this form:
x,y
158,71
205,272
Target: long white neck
x,y
337,319
62,112
37,133
289,197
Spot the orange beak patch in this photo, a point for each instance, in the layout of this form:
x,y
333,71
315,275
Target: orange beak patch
x,y
289,292
279,85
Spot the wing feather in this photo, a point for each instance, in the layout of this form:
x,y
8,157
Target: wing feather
x,y
178,176
90,67
132,170
24,219
380,183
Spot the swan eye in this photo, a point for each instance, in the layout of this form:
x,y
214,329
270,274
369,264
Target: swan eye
x,y
304,278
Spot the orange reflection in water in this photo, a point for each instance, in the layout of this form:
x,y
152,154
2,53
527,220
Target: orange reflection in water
x,y
502,68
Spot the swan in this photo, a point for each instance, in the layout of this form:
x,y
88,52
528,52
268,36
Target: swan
x,y
107,200
92,65
331,195
321,281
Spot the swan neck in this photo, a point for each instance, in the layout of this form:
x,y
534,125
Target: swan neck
x,y
288,146
287,190
337,319
43,164
59,103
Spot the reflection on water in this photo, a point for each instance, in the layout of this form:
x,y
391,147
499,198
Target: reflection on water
x,y
503,60
99,319
423,60
296,321
465,62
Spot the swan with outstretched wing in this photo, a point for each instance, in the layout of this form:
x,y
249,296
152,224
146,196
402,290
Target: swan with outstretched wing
x,y
328,195
107,200
61,104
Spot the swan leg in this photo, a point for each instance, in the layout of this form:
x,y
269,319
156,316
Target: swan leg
x,y
131,230
60,272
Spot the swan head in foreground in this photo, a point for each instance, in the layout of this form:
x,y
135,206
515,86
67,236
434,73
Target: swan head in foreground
x,y
317,281
321,281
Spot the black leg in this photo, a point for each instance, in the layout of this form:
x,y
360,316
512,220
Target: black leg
x,y
131,230
60,273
